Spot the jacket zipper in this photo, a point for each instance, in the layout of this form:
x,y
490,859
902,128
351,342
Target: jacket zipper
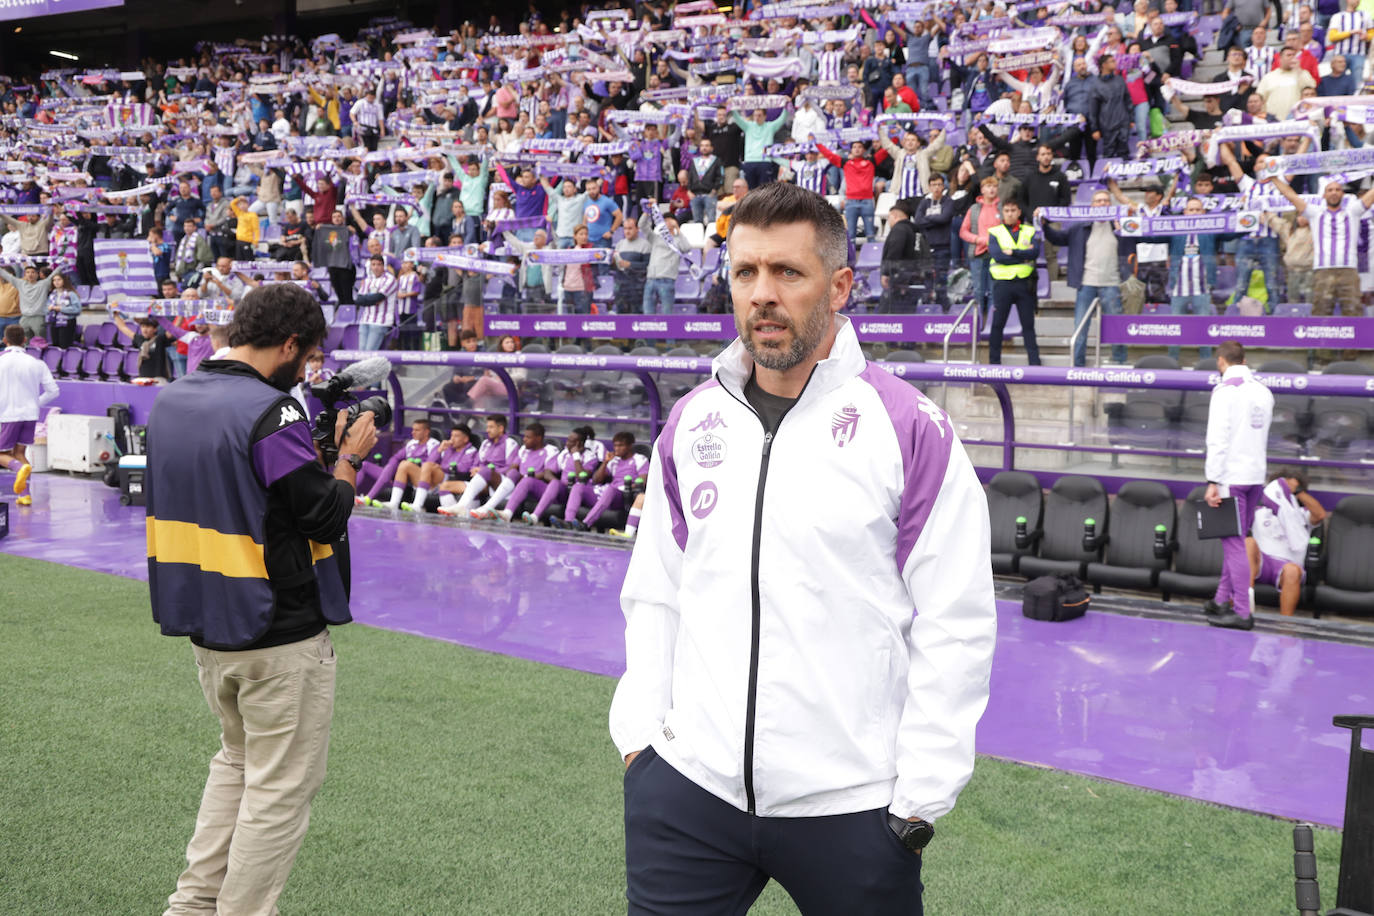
x,y
751,701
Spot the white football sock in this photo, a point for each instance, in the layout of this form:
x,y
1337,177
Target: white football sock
x,y
396,494
503,489
421,494
447,500
475,487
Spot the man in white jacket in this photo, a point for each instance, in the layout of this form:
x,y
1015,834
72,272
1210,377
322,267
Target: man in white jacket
x,y
1238,419
783,714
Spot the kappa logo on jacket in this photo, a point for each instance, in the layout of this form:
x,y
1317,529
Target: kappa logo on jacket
x,y
710,422
289,414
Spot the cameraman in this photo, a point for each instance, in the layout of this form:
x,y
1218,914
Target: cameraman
x,y
252,567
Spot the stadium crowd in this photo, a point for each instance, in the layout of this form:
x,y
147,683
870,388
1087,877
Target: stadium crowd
x,y
422,178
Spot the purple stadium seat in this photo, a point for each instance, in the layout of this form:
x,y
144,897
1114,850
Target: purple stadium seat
x,y
492,291
70,366
111,362
90,362
130,364
95,297
345,315
35,352
1155,308
39,341
332,337
686,289
929,308
1293,309
122,339
107,334
1226,276
1100,168
52,358
349,341
710,259
1042,284
870,255
605,288
90,335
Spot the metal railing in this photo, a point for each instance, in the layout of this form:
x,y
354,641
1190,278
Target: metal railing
x,y
1000,379
973,334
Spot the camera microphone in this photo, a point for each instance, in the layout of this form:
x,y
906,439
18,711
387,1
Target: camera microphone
x,y
369,373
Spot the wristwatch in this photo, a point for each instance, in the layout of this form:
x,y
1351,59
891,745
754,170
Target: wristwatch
x,y
355,460
914,835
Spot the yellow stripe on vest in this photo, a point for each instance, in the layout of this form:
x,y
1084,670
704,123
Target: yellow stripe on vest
x,y
236,556
320,552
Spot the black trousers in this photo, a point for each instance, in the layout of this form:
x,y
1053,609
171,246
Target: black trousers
x,y
369,138
687,852
342,278
1021,295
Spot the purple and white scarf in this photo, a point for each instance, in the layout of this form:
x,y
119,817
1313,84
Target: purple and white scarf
x,y
569,256
756,102
1209,224
1328,161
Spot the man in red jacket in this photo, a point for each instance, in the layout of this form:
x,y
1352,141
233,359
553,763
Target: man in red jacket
x,y
858,186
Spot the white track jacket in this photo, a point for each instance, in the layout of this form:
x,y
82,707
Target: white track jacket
x,y
1238,419
772,656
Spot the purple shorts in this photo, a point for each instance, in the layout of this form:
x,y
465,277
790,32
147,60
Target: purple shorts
x,y
19,432
1271,567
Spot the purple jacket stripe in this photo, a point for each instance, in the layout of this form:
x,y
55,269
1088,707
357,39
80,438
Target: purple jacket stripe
x,y
665,457
925,443
283,452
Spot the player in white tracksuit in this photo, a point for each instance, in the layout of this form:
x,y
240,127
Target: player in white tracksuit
x,y
783,713
1277,545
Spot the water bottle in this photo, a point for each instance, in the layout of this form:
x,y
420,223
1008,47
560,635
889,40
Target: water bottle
x,y
1089,535
1022,536
1161,542
1314,553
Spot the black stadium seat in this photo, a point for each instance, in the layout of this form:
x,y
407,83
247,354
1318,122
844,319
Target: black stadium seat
x,y
1197,564
1070,501
1012,494
1292,412
1147,416
1347,582
1130,559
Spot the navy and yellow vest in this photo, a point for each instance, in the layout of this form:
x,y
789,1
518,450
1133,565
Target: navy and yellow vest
x,y
1022,241
208,500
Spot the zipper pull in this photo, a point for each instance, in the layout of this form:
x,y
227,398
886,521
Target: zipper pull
x,y
767,442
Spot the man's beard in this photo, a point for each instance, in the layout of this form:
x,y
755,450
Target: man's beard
x,y
805,339
283,378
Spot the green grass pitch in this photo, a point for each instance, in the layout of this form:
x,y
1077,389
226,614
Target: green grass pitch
x,y
467,783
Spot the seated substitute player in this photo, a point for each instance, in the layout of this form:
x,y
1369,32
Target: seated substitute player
x,y
421,448
532,461
453,468
575,462
1278,542
632,518
609,485
494,458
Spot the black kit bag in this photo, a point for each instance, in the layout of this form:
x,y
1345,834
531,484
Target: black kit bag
x,y
1054,598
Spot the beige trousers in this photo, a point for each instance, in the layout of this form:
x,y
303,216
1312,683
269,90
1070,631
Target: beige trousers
x,y
274,706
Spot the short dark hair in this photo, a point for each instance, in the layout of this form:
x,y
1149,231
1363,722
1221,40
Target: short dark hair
x,y
536,428
1233,352
625,437
467,334
783,203
1297,473
497,418
272,314
14,335
422,420
461,428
